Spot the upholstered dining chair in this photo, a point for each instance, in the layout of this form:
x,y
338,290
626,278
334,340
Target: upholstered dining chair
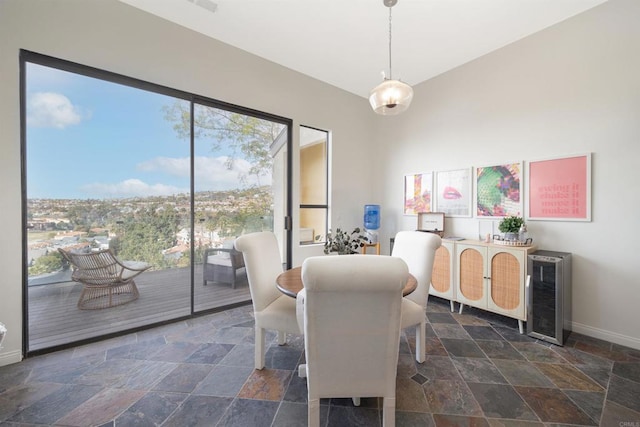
x,y
418,250
272,309
351,309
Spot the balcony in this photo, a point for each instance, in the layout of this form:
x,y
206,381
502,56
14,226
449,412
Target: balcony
x,y
54,318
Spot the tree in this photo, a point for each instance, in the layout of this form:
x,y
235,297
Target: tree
x,y
146,234
243,135
46,264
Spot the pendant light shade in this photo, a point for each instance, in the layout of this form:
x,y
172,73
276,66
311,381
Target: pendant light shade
x,y
390,97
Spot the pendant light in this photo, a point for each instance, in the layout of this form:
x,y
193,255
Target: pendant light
x,y
390,97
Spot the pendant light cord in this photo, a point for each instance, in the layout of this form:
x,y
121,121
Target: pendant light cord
x,y
390,72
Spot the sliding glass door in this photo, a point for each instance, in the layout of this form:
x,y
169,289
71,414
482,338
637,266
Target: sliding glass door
x,y
150,174
234,194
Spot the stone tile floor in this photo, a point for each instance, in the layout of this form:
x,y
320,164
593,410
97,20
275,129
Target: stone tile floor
x,y
479,372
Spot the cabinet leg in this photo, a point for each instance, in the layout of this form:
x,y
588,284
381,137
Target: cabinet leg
x,y
461,307
453,306
520,326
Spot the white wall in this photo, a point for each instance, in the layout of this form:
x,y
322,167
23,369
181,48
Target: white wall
x,y
116,37
570,89
573,88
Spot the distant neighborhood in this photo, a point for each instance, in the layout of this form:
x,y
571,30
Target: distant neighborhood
x,y
153,229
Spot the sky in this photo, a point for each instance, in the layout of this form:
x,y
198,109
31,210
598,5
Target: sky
x,y
88,138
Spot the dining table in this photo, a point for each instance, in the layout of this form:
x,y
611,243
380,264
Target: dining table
x,y
290,283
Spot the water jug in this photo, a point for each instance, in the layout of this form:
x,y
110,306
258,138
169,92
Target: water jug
x,y
371,217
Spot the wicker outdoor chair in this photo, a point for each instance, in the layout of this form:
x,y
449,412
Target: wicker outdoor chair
x,y
221,265
107,281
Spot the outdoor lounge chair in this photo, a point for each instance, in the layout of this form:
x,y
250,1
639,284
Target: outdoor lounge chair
x,y
107,281
221,265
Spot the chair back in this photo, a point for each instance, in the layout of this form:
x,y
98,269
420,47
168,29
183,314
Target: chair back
x,y
352,324
97,268
263,265
418,250
237,260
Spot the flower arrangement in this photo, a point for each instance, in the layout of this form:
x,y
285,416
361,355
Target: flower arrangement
x,y
343,242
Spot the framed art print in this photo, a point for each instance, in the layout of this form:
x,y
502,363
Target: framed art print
x,y
417,193
498,190
560,189
453,192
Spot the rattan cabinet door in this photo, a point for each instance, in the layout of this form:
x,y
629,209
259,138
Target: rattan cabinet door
x,y
506,285
442,276
471,271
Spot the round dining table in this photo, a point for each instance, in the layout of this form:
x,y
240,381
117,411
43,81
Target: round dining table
x,y
290,283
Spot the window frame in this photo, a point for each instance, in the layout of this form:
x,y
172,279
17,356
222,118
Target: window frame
x,y
29,57
325,205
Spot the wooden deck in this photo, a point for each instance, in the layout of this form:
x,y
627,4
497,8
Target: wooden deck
x,y
54,318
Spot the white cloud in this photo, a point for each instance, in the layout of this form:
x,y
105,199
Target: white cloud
x,y
173,166
211,173
132,188
50,109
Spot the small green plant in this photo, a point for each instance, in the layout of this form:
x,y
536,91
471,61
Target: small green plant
x,y
511,224
343,242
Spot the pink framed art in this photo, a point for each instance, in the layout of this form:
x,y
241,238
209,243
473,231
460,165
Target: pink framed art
x,y
453,192
560,189
417,193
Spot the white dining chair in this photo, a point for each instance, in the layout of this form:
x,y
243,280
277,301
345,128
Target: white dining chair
x,y
418,250
351,311
272,309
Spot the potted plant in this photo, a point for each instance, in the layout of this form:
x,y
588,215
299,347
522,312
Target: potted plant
x,y
510,226
344,243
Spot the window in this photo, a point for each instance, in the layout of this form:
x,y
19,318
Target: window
x,y
314,184
149,173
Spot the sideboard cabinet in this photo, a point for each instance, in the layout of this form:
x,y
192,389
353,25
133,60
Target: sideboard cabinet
x,y
492,277
488,276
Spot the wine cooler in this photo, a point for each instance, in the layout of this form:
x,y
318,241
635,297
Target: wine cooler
x,y
549,296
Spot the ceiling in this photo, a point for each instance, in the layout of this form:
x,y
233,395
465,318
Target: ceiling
x,y
345,42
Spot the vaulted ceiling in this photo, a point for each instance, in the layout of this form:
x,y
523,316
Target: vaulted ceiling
x,y
345,42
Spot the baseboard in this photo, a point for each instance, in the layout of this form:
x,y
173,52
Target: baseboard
x,y
606,335
10,357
